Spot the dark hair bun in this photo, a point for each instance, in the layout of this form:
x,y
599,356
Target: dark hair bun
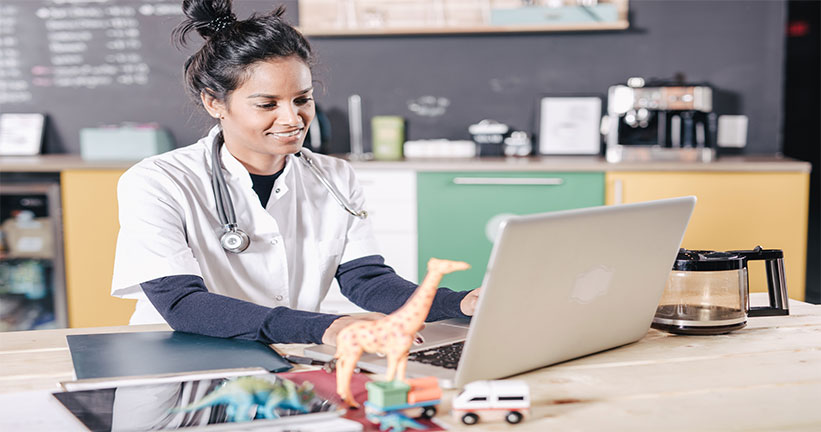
x,y
207,17
231,46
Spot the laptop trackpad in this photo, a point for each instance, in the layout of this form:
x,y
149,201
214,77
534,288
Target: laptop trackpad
x,y
442,333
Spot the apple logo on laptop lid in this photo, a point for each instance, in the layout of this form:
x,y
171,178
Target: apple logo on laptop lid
x,y
591,284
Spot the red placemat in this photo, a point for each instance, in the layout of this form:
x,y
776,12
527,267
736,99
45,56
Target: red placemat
x,y
325,385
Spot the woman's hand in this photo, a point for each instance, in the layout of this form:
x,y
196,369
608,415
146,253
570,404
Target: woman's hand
x,y
468,304
329,337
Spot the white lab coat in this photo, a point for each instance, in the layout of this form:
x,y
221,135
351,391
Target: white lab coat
x,y
169,226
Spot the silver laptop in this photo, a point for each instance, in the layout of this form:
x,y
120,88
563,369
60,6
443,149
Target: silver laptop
x,y
558,286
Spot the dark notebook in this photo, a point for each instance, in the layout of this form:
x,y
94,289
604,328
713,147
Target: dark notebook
x,y
110,355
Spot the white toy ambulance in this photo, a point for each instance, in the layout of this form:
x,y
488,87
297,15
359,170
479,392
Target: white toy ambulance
x,y
492,400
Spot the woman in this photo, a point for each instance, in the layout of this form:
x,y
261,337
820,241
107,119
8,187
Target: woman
x,y
189,264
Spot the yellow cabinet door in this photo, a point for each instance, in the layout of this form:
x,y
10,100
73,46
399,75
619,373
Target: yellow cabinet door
x,y
90,227
735,210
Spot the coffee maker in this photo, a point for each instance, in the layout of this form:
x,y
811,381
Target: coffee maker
x,y
663,120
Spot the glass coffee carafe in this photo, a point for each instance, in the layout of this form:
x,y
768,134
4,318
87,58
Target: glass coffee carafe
x,y
707,292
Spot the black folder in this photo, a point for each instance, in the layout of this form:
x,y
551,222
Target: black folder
x,y
108,355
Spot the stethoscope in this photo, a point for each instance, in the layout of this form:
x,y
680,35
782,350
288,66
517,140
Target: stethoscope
x,y
233,238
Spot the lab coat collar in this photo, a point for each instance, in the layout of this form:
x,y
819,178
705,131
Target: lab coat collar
x,y
237,170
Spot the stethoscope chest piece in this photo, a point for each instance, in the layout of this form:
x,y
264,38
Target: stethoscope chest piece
x,y
234,240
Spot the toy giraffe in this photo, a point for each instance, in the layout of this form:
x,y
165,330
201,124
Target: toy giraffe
x,y
391,335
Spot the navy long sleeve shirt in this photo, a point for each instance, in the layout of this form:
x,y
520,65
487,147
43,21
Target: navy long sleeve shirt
x,y
186,304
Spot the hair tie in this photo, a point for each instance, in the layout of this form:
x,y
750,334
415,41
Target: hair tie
x,y
220,23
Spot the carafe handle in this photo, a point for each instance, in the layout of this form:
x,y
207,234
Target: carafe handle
x,y
776,282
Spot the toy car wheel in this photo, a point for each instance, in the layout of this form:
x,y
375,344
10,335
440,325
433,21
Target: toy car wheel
x,y
513,417
470,419
429,412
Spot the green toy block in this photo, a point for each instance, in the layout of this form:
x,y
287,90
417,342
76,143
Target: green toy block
x,y
387,393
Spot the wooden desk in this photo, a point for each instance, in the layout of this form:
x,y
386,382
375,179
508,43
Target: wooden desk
x,y
766,376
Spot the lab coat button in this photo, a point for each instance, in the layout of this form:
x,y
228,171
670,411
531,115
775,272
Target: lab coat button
x,y
276,190
274,241
278,298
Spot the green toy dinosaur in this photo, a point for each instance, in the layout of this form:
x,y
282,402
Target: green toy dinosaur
x,y
395,421
242,393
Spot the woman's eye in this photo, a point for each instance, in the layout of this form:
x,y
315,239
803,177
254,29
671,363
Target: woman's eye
x,y
303,101
266,106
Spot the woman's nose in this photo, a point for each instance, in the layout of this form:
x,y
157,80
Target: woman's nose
x,y
289,115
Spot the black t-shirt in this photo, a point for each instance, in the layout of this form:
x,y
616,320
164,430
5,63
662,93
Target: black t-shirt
x,y
263,184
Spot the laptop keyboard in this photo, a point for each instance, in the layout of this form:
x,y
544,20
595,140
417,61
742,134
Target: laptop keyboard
x,y
446,356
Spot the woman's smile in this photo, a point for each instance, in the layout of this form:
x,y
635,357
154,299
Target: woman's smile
x,y
289,135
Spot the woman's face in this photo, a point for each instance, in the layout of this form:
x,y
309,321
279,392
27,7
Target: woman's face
x,y
267,117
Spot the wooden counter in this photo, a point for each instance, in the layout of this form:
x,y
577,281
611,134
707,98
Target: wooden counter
x,y
62,162
742,202
766,376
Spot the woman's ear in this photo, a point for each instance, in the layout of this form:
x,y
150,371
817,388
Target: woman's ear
x,y
215,107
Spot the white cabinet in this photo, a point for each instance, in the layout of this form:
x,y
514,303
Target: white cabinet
x,y
390,200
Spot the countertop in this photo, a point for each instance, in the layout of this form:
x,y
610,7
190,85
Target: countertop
x,y
764,377
61,162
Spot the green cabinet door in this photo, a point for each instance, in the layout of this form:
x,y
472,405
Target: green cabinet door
x,y
460,212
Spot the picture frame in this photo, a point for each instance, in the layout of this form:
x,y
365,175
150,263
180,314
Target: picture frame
x,y
21,134
570,125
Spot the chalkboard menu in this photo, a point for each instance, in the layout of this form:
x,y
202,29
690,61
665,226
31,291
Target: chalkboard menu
x,y
87,63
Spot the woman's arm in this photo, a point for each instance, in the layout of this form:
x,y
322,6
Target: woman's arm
x,y
186,305
372,285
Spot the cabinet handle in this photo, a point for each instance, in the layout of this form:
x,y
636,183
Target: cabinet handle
x,y
618,192
508,181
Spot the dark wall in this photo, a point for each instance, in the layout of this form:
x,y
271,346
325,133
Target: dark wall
x,y
802,129
737,46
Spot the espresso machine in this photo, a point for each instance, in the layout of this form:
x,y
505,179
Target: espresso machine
x,y
660,121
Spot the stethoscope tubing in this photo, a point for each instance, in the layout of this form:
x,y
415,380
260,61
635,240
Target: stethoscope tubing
x,y
337,196
221,193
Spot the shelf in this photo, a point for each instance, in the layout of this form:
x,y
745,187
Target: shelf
x,y
445,17
32,281
611,26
